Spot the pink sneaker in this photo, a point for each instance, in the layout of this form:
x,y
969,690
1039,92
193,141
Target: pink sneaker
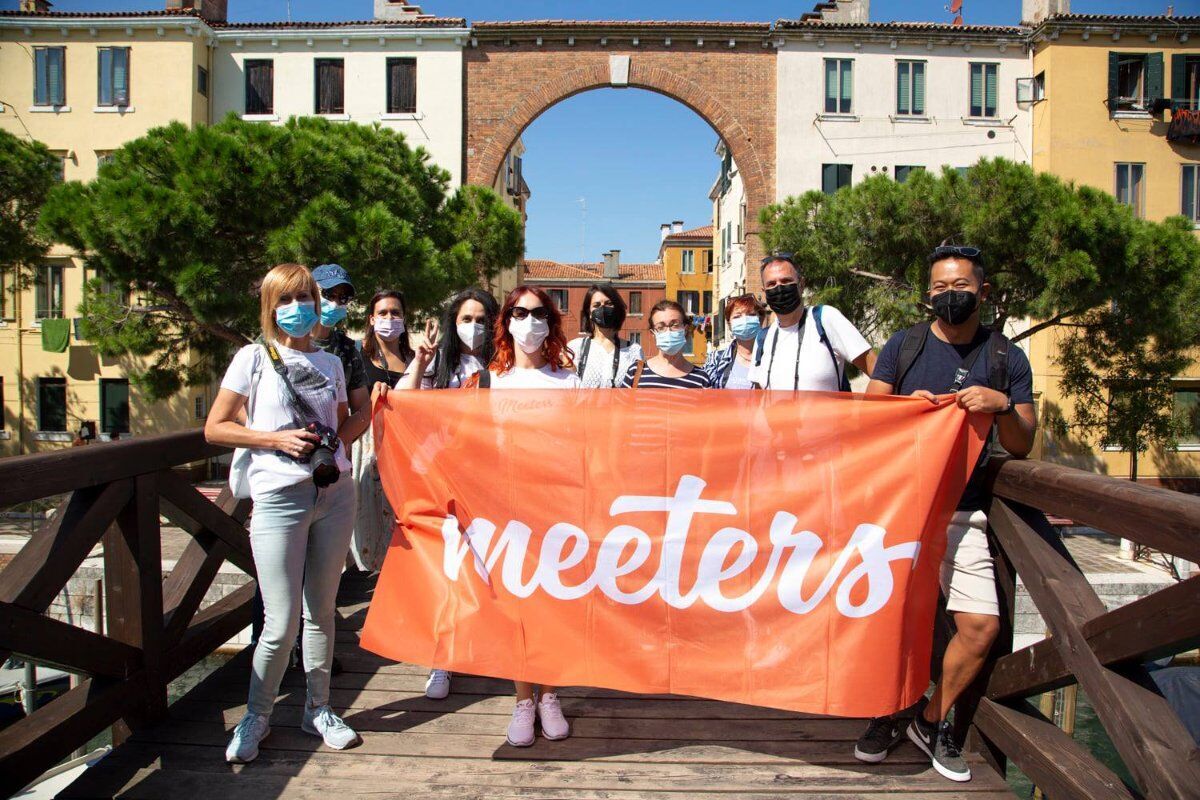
x,y
554,724
520,730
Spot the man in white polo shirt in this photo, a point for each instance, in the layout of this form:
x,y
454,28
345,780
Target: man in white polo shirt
x,y
804,348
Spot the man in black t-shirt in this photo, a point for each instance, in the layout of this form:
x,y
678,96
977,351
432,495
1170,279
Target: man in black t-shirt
x,y
955,356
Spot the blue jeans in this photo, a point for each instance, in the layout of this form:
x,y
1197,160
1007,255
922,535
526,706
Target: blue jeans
x,y
300,536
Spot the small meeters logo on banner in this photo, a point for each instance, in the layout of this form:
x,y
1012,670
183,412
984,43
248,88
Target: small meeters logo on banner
x,y
626,549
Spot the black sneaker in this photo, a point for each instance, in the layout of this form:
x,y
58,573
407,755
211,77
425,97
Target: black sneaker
x,y
883,733
937,741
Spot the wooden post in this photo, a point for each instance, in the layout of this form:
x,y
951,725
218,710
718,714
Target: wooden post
x,y
133,578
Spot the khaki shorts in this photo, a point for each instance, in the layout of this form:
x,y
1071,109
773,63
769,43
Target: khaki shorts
x,y
968,575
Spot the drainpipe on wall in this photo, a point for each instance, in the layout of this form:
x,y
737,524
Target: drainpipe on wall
x,y
20,374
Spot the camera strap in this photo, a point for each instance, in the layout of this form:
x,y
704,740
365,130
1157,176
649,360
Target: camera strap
x,y
294,399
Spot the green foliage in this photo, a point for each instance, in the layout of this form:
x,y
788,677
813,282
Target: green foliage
x,y
192,218
1119,293
28,171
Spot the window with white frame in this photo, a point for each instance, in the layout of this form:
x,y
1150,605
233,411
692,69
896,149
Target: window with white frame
x,y
910,88
839,86
1190,202
1131,187
689,262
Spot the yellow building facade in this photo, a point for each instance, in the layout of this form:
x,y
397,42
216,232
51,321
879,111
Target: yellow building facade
x,y
687,259
1103,94
84,86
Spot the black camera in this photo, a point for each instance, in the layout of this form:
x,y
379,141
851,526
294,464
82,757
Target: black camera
x,y
323,457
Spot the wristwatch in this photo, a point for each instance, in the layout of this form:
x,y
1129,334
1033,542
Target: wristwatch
x,y
1008,409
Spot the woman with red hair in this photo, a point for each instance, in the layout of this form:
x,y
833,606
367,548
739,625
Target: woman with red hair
x,y
530,353
531,348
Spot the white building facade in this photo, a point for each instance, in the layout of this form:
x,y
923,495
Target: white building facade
x,y
404,73
858,98
729,238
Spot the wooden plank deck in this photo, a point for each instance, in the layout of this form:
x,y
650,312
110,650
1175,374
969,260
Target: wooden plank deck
x,y
622,746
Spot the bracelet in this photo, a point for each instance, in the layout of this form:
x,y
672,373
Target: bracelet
x,y
1009,408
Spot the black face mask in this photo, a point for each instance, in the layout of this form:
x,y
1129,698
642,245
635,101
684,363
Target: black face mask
x,y
954,307
784,298
606,316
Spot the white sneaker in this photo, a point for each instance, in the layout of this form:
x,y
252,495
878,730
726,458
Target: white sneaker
x,y
554,724
437,687
520,730
243,747
321,721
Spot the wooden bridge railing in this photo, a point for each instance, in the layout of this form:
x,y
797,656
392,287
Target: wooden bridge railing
x,y
155,629
1103,651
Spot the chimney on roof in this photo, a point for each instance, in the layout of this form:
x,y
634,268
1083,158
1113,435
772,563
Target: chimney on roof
x,y
36,6
1036,11
677,226
841,11
665,230
211,10
395,9
1170,11
612,265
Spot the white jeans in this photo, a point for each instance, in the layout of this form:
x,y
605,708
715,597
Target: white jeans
x,y
300,536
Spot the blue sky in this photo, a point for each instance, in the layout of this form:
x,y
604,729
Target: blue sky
x,y
637,158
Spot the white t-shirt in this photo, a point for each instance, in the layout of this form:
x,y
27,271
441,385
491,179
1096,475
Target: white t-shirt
x,y
468,365
318,377
598,372
541,378
781,367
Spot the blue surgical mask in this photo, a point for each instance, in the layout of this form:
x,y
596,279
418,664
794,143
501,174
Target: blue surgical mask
x,y
296,318
331,313
670,342
745,327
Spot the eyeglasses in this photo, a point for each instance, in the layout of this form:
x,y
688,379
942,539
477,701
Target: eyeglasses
x,y
948,250
788,257
520,312
675,325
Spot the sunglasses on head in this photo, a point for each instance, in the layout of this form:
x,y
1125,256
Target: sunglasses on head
x,y
947,250
788,257
519,312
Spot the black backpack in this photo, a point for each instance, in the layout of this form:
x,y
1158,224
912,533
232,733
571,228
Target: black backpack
x,y
997,346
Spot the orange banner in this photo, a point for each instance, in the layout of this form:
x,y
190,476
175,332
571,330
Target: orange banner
x,y
765,548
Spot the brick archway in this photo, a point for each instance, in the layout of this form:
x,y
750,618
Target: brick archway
x,y
725,72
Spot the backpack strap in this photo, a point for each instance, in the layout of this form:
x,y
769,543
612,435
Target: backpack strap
x,y
843,378
255,378
583,356
998,345
910,348
759,341
725,373
637,374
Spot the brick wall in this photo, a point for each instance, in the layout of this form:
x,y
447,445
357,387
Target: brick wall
x,y
509,84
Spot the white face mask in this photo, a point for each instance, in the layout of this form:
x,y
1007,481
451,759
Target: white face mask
x,y
529,333
389,328
471,334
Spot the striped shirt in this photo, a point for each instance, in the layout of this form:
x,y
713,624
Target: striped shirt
x,y
696,379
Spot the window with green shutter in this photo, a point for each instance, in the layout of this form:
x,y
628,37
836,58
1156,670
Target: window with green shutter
x,y
114,405
985,89
835,176
49,76
839,85
903,172
52,404
910,88
113,78
1134,79
1185,82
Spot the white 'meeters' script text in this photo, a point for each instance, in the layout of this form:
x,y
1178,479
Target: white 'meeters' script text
x,y
565,546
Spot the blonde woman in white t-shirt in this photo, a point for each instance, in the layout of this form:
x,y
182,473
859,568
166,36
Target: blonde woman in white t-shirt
x,y
601,357
292,396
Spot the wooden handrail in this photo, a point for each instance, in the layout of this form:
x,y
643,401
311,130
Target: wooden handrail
x,y
155,629
26,478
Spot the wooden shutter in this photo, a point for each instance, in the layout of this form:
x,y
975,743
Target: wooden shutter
x,y
831,86
104,77
402,85
918,84
847,104
1114,60
1154,77
260,86
120,76
41,86
903,87
976,90
1179,78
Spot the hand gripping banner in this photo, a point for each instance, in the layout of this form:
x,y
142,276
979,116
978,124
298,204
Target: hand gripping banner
x,y
765,548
